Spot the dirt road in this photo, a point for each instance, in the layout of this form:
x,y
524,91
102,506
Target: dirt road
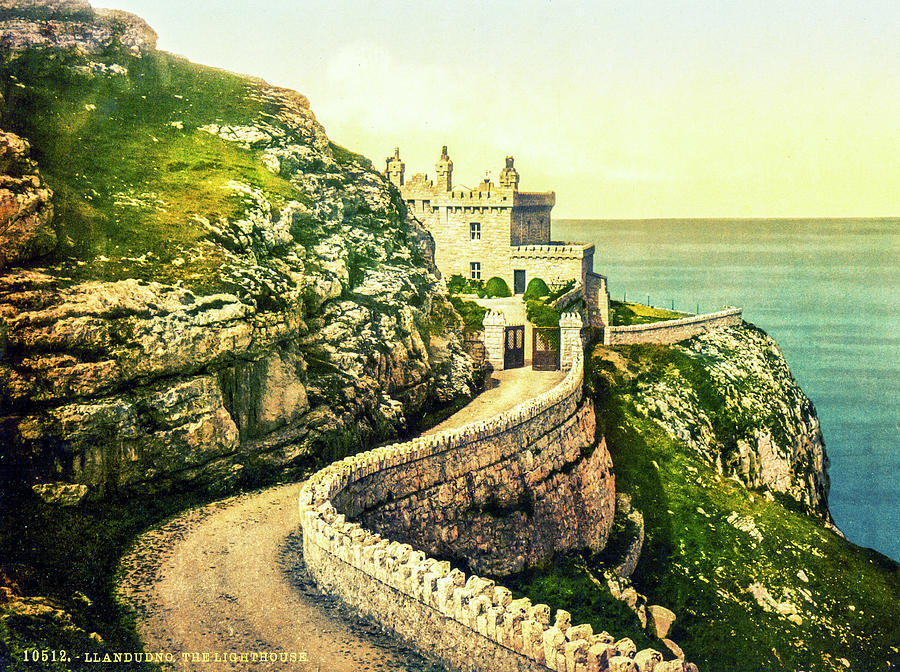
x,y
229,578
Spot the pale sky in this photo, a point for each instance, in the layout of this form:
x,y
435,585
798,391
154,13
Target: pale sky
x,y
627,109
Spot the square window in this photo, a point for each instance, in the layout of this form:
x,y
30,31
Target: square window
x,y
475,268
475,230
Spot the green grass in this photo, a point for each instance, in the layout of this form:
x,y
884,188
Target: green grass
x,y
697,563
129,186
570,582
626,314
63,552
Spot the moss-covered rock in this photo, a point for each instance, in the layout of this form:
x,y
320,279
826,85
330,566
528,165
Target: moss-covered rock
x,y
225,286
746,558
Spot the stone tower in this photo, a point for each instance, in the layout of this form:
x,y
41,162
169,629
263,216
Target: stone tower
x,y
395,168
509,176
444,170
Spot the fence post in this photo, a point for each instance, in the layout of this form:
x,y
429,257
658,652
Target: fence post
x,y
494,323
569,338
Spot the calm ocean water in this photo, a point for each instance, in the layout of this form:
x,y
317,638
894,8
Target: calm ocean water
x,y
827,291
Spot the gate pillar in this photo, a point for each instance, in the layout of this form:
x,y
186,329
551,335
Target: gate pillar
x,y
494,335
570,325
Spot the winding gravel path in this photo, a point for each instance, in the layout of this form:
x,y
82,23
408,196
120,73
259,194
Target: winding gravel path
x,y
228,578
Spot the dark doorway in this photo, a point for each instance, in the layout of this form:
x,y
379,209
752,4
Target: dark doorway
x,y
514,347
519,282
545,349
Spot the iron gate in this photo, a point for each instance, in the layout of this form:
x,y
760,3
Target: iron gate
x,y
513,347
545,349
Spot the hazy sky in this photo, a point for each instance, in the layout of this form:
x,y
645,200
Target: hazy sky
x,y
626,109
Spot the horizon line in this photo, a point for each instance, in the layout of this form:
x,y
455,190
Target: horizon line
x,y
804,218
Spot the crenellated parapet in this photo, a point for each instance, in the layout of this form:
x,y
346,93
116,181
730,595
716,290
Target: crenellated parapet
x,y
557,250
467,621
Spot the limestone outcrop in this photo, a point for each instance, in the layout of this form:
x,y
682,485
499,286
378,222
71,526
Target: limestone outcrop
x,y
72,24
756,424
26,210
313,326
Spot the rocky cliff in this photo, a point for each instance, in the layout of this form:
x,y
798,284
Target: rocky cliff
x,y
729,396
718,449
197,285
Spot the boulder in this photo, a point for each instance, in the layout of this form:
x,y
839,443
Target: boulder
x,y
674,648
626,647
647,659
622,664
660,620
26,211
671,666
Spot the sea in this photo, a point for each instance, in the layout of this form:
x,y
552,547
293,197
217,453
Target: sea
x,y
827,290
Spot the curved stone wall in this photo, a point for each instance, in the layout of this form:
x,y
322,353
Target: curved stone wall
x,y
467,622
671,331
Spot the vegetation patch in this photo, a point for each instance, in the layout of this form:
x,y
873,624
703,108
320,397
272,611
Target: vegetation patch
x,y
70,556
573,582
471,313
496,287
536,289
627,314
755,585
135,178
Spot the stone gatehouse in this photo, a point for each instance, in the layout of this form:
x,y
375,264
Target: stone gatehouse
x,y
497,230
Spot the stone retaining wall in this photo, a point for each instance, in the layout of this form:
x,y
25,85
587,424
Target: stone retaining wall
x,y
671,331
497,504
467,622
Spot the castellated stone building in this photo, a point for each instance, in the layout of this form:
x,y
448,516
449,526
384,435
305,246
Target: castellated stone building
x,y
497,230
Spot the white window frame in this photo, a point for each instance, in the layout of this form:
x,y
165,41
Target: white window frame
x,y
475,230
475,270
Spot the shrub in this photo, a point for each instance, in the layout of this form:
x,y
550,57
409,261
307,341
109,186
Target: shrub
x,y
471,313
541,315
455,284
460,285
497,287
536,289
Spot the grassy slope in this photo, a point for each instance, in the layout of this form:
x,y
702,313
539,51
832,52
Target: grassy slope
x,y
625,314
700,565
128,184
127,187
